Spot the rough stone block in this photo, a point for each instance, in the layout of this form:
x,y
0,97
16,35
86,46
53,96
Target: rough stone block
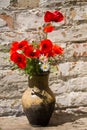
x,y
73,69
2,23
75,33
10,107
28,20
72,99
8,19
28,3
4,3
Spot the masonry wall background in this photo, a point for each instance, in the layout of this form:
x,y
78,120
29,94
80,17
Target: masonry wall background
x,y
19,20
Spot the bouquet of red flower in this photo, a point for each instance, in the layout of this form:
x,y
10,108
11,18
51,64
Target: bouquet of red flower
x,y
36,58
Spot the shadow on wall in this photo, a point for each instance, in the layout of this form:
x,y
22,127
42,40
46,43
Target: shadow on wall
x,y
63,117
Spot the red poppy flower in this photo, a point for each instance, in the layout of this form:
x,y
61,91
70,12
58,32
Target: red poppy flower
x,y
18,46
37,53
34,53
30,52
58,17
48,28
14,47
48,16
22,44
46,46
55,16
19,59
57,49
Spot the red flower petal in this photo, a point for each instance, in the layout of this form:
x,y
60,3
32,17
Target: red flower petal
x,y
14,47
48,28
55,16
58,16
37,53
48,16
57,49
19,59
30,52
22,65
46,46
18,46
22,44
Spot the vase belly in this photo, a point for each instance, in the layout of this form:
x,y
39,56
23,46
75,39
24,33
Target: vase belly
x,y
38,105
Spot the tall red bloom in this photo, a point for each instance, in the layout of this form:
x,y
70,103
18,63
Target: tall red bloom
x,y
48,28
46,46
19,59
55,16
57,49
48,16
18,46
58,16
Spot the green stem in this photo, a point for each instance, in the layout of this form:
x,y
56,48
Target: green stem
x,y
46,35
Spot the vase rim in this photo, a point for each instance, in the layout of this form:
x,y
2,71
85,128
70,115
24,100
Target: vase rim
x,y
41,74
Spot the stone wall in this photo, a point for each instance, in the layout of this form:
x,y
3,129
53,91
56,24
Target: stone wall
x,y
19,20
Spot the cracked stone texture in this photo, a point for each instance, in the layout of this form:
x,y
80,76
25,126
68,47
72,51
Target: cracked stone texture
x,y
69,84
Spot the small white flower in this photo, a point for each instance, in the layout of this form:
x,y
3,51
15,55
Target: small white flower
x,y
45,67
43,58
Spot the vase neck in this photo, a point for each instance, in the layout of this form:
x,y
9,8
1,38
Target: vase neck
x,y
39,81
